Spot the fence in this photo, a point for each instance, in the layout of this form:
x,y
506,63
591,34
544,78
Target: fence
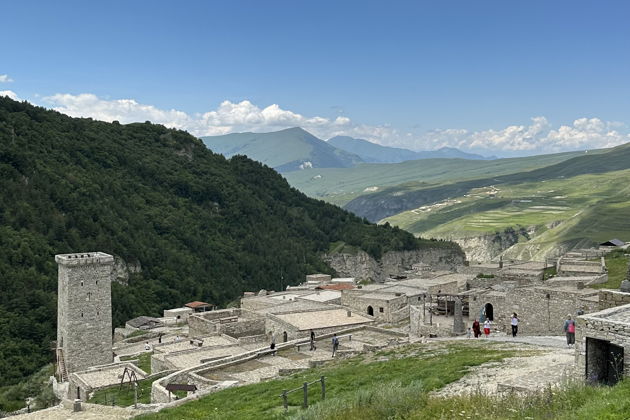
x,y
285,393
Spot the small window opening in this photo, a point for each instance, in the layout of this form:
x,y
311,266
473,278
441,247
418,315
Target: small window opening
x,y
81,282
380,309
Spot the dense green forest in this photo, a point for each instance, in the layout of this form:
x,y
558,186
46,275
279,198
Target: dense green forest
x,y
201,227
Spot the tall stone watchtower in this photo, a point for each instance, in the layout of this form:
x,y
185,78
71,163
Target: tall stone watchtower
x,y
84,311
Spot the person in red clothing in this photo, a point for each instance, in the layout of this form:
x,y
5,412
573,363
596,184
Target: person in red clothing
x,y
486,328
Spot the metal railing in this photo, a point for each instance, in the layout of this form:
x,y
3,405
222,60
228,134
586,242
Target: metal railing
x,y
286,392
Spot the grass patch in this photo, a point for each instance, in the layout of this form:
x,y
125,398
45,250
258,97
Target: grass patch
x,y
137,333
124,396
407,368
144,361
575,401
617,265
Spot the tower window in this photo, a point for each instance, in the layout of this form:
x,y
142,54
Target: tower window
x,y
81,314
81,282
97,282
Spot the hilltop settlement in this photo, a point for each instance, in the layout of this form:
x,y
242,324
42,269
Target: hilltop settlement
x,y
198,349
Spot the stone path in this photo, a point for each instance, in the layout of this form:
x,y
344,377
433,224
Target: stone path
x,y
90,412
552,367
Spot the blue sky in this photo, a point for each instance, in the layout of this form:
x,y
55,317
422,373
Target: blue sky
x,y
500,76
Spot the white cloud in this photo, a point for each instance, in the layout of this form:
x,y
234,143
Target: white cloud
x,y
536,137
10,94
4,78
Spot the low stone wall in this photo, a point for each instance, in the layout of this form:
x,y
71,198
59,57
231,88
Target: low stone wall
x,y
541,311
611,298
617,333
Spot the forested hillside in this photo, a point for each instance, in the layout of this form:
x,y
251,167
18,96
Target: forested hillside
x,y
200,226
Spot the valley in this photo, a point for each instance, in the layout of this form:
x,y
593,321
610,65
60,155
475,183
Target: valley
x,y
544,218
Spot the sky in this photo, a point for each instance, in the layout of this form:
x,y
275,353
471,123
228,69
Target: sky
x,y
496,77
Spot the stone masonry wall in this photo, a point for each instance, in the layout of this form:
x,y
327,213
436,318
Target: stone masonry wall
x,y
362,266
84,309
541,311
611,298
359,301
617,333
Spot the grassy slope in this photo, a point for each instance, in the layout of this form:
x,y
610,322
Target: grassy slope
x,y
594,207
617,265
574,402
392,201
279,149
343,379
340,185
264,150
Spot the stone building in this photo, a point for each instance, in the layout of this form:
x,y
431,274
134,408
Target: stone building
x,y
84,311
602,341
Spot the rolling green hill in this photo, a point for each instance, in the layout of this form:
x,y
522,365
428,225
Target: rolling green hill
x,y
340,186
201,227
395,200
286,150
543,216
375,153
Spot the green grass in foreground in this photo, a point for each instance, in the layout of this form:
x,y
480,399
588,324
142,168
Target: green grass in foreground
x,y
617,265
144,361
574,402
405,368
124,396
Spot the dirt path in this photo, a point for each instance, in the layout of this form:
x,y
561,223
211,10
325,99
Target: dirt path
x,y
549,365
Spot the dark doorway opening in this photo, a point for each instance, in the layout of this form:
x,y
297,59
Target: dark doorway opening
x,y
370,311
285,337
488,311
604,362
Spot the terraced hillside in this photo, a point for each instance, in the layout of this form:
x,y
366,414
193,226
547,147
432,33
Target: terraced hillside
x,y
395,200
341,185
528,220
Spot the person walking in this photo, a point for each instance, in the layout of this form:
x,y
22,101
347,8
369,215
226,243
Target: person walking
x,y
514,323
486,327
313,348
476,328
569,329
335,344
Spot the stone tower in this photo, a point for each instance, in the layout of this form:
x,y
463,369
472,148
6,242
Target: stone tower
x,y
84,311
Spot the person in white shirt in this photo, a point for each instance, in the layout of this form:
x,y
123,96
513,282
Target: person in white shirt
x,y
486,327
514,322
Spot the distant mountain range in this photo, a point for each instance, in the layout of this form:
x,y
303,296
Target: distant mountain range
x,y
295,149
285,151
375,153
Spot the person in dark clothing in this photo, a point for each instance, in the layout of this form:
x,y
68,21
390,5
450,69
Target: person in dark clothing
x,y
313,341
476,329
514,323
335,344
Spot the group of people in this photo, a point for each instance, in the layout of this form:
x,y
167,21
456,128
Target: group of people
x,y
476,328
569,328
487,325
313,347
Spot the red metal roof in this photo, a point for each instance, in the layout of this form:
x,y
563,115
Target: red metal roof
x,y
339,286
197,304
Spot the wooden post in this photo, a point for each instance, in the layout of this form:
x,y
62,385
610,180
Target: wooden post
x,y
305,405
323,388
285,399
135,395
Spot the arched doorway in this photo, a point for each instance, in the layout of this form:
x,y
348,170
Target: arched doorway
x,y
285,337
488,311
370,311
